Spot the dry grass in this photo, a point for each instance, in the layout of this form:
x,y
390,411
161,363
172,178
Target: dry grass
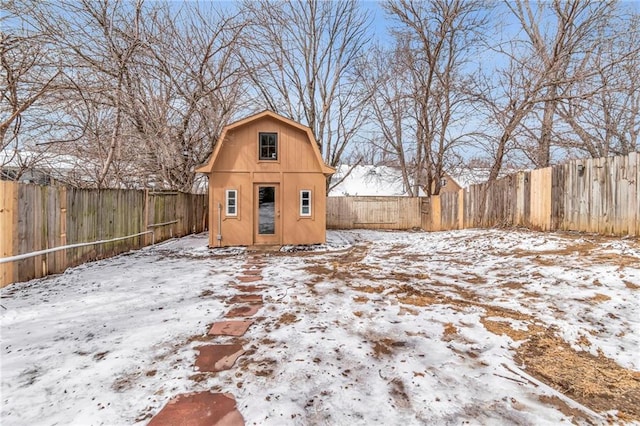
x,y
512,285
286,319
476,279
631,285
597,298
418,300
595,381
504,328
385,346
369,289
450,332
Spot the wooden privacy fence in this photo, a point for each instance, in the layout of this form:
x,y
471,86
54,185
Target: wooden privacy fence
x,y
373,212
35,218
592,195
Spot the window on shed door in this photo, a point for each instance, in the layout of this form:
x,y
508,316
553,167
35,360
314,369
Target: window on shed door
x,y
268,146
232,202
305,202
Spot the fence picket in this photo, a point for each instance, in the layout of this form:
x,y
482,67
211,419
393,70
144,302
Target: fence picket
x,y
35,218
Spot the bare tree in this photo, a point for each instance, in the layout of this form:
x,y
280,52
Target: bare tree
x,y
387,80
301,65
603,112
551,58
30,75
440,36
188,84
149,88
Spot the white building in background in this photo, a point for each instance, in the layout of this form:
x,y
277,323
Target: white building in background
x,y
368,180
43,168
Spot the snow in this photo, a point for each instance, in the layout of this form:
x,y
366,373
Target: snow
x,y
110,342
368,180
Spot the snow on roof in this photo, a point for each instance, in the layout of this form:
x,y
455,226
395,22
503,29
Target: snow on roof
x,y
466,176
368,180
42,160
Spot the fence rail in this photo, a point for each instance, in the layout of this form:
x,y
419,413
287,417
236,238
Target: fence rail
x,y
94,223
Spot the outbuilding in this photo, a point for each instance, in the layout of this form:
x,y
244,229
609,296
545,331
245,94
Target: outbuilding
x,y
267,184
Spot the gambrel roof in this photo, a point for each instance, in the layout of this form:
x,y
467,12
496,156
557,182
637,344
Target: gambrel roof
x,y
208,167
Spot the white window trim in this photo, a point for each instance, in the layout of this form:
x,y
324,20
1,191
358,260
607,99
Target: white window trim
x,y
310,203
226,202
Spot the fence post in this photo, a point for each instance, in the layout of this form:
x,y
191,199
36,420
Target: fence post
x,y
8,224
146,217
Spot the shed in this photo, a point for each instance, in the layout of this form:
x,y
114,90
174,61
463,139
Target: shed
x,y
267,184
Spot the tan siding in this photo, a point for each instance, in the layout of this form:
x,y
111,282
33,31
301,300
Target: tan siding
x,y
238,166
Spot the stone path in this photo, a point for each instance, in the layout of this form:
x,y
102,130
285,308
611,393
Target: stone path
x,y
208,408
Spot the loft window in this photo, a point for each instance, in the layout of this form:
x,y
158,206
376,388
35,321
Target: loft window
x,y
305,202
443,182
268,146
232,202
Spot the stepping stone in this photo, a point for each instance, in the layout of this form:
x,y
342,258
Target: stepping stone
x,y
243,311
249,278
246,298
213,358
249,288
199,409
230,328
253,272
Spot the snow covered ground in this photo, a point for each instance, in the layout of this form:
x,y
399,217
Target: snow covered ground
x,y
375,328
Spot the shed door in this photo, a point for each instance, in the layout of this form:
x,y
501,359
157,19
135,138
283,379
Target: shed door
x,y
267,214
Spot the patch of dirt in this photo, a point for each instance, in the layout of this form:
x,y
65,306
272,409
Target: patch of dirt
x,y
286,319
399,394
504,328
565,409
321,270
449,333
597,298
595,381
416,297
418,300
476,279
123,383
631,285
201,337
406,277
199,377
407,311
100,355
146,414
458,261
512,285
369,289
361,299
386,346
264,368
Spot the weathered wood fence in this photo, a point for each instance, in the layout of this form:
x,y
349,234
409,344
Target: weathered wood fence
x,y
593,195
34,218
373,212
